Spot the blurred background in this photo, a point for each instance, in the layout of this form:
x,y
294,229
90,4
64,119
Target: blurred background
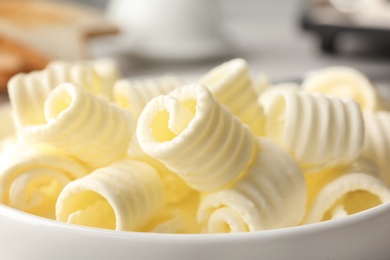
x,y
269,35
283,39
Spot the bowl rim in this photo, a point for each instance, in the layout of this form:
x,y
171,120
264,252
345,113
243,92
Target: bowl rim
x,y
355,219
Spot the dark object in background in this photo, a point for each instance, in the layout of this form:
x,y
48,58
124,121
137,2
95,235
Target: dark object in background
x,y
325,18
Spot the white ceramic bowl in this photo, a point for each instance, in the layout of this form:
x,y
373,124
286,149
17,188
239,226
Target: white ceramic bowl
x,y
365,235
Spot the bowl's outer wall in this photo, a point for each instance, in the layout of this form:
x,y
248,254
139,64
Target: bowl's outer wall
x,y
363,236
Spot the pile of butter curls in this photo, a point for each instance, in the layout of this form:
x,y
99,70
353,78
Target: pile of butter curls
x,y
222,154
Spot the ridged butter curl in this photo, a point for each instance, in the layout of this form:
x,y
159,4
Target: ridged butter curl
x,y
122,196
32,176
28,92
377,141
230,83
84,126
135,94
271,194
317,130
343,191
344,82
196,137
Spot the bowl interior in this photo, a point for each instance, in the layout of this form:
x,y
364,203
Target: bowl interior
x,y
363,235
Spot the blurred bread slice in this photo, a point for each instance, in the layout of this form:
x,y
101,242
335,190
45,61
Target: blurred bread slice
x,y
32,33
15,58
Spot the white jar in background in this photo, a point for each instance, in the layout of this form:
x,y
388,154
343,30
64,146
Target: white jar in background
x,y
170,29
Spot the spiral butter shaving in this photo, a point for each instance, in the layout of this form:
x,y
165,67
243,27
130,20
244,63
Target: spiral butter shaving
x,y
107,70
231,85
195,137
344,82
28,92
261,82
176,190
377,141
121,196
135,94
179,218
273,90
271,194
347,194
318,131
84,126
32,176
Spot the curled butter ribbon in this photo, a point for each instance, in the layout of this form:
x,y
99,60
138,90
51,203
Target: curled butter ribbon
x,y
28,92
317,130
342,191
230,83
122,196
106,69
176,189
135,94
343,82
196,137
84,126
32,176
271,194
